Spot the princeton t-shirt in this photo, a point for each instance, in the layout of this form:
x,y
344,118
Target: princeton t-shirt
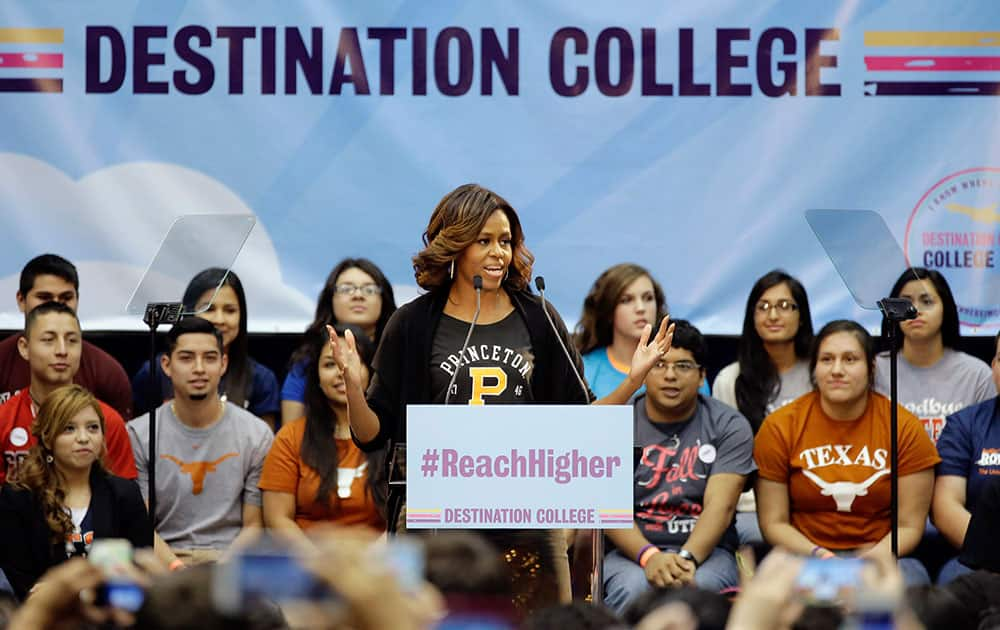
x,y
496,366
837,472
934,393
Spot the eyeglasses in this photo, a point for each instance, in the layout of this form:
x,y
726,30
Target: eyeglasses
x,y
924,301
681,368
783,306
351,289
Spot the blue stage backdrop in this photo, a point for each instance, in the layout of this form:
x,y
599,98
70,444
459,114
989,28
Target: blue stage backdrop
x,y
687,137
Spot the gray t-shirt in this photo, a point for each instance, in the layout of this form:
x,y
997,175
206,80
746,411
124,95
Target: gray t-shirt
x,y
496,366
203,476
933,393
791,385
677,460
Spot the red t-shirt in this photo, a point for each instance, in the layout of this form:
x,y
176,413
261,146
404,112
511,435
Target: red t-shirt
x,y
16,438
99,373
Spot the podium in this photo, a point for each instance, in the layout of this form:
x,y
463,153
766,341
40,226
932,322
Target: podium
x,y
520,467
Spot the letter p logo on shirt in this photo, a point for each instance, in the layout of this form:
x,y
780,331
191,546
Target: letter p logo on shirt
x,y
480,388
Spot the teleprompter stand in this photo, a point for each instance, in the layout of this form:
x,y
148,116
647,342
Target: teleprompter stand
x,y
193,243
869,261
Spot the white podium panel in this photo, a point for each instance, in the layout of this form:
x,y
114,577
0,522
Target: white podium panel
x,y
519,466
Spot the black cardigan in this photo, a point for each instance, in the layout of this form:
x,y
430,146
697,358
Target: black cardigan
x,y
402,362
117,511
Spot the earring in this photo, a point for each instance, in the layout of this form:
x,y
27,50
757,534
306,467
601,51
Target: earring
x,y
48,459
451,270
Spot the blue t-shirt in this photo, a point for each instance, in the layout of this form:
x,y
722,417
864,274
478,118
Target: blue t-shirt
x,y
969,447
604,377
294,387
261,400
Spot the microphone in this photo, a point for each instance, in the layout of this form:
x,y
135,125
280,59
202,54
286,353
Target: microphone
x,y
477,284
540,284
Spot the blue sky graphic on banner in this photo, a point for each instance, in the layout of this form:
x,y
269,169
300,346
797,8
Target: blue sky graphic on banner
x,y
687,137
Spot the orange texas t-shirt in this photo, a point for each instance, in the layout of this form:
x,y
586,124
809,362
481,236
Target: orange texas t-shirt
x,y
284,471
837,472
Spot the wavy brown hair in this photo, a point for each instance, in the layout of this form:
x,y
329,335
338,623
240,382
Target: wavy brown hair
x,y
597,322
42,478
455,224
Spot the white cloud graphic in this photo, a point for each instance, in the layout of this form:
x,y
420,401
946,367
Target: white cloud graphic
x,y
111,221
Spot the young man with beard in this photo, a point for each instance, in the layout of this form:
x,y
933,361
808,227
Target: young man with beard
x,y
210,453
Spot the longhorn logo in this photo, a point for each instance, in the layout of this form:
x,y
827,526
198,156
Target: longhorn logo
x,y
346,477
198,470
844,492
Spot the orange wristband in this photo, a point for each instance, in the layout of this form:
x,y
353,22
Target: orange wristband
x,y
646,555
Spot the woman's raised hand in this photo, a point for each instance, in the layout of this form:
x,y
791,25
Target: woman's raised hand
x,y
647,353
345,353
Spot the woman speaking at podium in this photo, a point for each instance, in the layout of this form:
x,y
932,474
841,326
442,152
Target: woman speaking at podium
x,y
475,232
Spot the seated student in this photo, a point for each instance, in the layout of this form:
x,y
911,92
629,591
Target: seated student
x,y
624,299
980,549
246,384
356,292
823,481
934,378
773,366
684,530
51,347
314,472
51,278
209,452
63,499
970,456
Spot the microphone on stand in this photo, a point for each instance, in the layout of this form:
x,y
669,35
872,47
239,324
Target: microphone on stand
x,y
540,284
596,535
477,284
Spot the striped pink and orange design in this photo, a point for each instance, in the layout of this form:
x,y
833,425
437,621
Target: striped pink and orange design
x,y
941,62
26,51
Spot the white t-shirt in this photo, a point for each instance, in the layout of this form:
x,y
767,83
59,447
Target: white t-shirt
x,y
933,393
203,476
793,383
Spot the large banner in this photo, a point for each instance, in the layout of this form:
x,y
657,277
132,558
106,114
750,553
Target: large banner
x,y
687,137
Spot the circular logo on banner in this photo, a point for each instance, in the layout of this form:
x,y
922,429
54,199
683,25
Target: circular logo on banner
x,y
706,453
955,229
18,437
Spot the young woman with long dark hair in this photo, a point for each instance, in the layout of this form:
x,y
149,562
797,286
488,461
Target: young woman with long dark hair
x,y
64,499
773,366
246,383
314,472
935,381
935,378
356,292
